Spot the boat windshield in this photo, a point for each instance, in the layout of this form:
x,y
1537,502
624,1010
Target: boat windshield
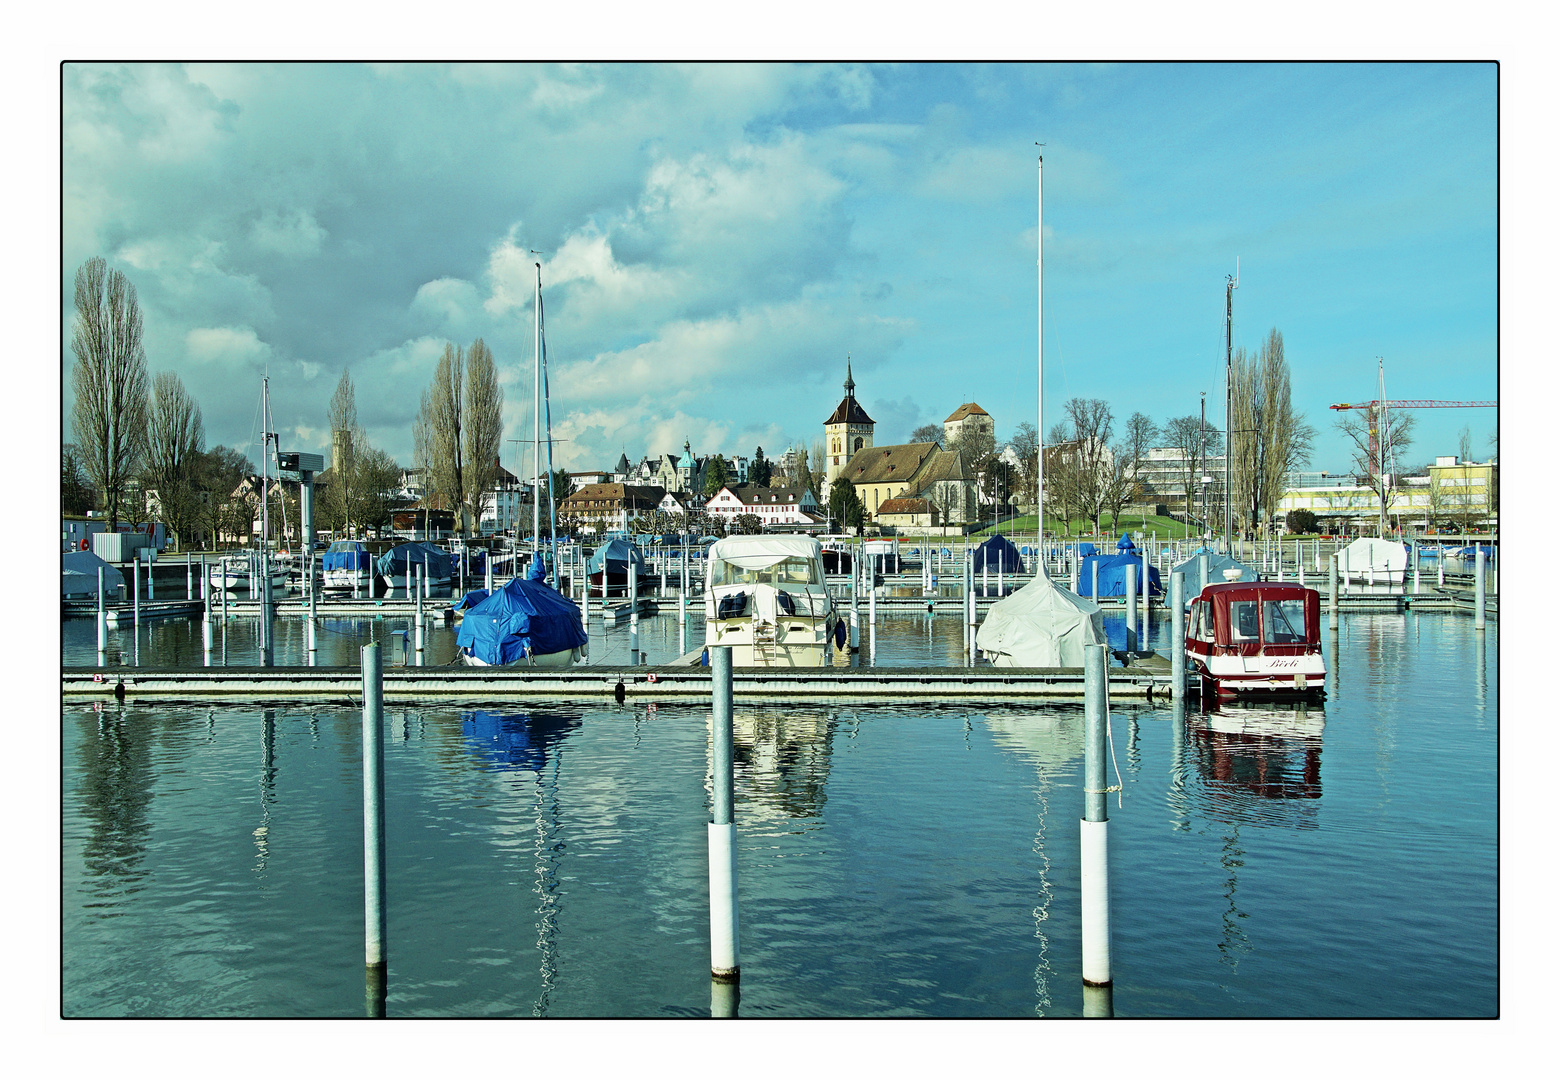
x,y
1285,621
793,570
1243,621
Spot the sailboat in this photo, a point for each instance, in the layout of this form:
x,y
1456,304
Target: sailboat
x,y
238,570
526,621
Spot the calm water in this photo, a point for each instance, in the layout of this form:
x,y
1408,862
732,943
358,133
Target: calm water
x,y
893,860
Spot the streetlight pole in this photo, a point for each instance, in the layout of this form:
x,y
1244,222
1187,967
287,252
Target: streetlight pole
x,y
1230,285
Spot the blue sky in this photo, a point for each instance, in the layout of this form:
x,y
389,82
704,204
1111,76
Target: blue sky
x,y
717,238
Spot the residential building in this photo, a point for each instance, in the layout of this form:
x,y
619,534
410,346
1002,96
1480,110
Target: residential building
x,y
908,514
1449,493
603,507
776,507
945,478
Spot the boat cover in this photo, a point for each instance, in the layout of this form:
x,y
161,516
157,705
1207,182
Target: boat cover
x,y
757,552
475,560
78,574
524,617
1125,543
1113,575
614,557
345,555
393,563
1217,564
1382,558
470,600
998,553
1041,625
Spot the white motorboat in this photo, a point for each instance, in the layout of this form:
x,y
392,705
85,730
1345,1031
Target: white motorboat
x,y
237,572
768,603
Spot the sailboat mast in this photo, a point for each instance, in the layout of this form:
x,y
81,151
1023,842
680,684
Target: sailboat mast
x,y
536,427
265,449
1040,349
1230,285
1383,476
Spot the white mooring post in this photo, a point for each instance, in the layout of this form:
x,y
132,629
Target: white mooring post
x,y
855,613
1414,554
313,621
633,611
1332,591
189,577
135,586
102,623
1478,588
1094,581
1094,877
374,824
725,957
1343,569
1132,623
1177,635
417,637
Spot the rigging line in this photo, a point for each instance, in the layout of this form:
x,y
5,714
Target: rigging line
x,y
552,501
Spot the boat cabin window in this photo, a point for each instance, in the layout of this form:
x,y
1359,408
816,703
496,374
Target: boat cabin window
x,y
1243,622
793,570
1285,621
1202,626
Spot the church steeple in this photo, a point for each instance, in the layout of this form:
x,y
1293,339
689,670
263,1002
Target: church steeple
x,y
850,384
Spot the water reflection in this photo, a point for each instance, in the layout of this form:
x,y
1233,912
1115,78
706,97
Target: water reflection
x,y
262,833
1259,763
780,757
1051,742
515,740
115,796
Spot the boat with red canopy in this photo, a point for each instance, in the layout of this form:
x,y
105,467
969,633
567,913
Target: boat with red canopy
x,y
1261,638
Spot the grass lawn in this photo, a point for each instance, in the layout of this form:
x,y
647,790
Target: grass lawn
x,y
1024,524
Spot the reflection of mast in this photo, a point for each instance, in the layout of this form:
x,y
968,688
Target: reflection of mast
x,y
262,835
1235,943
546,889
1180,818
1042,910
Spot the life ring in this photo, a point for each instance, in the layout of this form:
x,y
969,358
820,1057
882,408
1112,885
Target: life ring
x,y
650,677
85,543
97,677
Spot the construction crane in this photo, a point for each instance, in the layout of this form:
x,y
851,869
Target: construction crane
x,y
1376,412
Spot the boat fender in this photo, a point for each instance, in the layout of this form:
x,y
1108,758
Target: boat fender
x,y
618,693
840,634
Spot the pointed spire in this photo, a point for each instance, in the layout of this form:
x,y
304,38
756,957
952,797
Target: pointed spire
x,y
850,383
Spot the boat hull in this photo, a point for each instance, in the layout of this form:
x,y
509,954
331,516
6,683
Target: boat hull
x,y
1260,675
566,658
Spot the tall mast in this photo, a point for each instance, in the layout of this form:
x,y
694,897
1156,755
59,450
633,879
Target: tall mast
x,y
1383,477
265,449
1040,346
1230,285
536,428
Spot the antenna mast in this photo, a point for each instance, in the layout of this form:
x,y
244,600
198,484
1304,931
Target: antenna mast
x,y
1230,285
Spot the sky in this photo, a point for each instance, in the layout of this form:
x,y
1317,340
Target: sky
x,y
715,240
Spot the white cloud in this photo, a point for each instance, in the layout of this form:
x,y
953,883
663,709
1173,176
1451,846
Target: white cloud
x,y
232,345
293,233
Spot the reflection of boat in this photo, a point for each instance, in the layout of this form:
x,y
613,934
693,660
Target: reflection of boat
x,y
767,601
347,565
1051,741
783,756
515,740
1257,638
1271,752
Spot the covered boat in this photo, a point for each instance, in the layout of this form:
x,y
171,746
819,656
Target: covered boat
x,y
1041,625
998,555
79,576
525,622
394,564
1113,575
347,565
1217,565
608,568
1371,559
768,603
1257,638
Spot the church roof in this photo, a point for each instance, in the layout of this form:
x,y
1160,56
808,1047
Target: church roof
x,y
887,464
849,412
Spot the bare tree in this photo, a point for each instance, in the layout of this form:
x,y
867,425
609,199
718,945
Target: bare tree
x,y
1394,429
339,501
175,441
1267,437
483,428
932,433
1089,424
1026,445
440,423
109,381
1197,441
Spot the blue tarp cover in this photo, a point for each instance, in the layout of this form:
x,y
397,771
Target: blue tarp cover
x,y
1113,575
346,555
475,560
393,563
1125,543
522,615
614,555
998,553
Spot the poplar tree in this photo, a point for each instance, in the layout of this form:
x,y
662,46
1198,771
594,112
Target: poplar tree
x,y
109,381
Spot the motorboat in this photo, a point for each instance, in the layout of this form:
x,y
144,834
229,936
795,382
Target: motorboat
x,y
348,565
609,566
395,565
768,603
1258,638
241,571
524,623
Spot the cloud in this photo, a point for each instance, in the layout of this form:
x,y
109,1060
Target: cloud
x,y
292,233
227,345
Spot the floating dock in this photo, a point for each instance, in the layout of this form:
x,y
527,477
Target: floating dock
x,y
1141,682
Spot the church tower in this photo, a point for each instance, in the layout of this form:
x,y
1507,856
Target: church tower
x,y
847,430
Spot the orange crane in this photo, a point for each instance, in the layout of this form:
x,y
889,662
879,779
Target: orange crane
x,y
1374,410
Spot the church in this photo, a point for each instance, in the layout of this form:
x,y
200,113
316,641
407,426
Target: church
x,y
909,485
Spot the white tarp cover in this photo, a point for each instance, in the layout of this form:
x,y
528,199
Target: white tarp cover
x,y
78,574
1378,556
1040,626
757,552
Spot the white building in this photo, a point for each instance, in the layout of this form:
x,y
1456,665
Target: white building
x,y
774,507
